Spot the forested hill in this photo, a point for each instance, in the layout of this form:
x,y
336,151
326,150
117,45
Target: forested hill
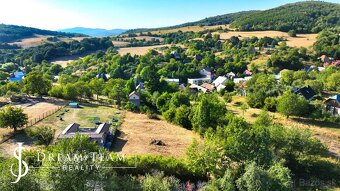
x,y
309,16
11,33
210,21
303,17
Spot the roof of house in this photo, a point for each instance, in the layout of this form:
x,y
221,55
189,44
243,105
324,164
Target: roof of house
x,y
208,86
307,92
71,128
336,97
220,80
19,73
15,79
248,72
73,104
104,127
172,80
134,93
336,63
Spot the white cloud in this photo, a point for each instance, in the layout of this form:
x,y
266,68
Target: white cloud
x,y
38,14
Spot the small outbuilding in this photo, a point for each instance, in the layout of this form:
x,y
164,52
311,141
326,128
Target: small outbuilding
x,y
73,105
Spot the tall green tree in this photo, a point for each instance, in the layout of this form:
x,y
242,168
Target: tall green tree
x,y
291,104
36,83
12,117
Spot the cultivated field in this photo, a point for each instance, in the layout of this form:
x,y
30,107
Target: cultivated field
x,y
138,130
302,40
139,50
42,39
328,133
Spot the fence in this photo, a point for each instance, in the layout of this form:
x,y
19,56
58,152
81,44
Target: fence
x,y
34,121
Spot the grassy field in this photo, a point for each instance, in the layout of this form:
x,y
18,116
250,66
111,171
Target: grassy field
x,y
42,39
138,130
302,40
84,116
139,50
328,133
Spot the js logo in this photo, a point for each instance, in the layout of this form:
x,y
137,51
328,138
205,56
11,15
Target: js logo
x,y
21,164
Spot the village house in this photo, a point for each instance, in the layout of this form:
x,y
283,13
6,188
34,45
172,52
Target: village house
x,y
99,134
231,75
325,59
198,81
134,98
220,80
195,88
170,80
209,87
140,86
307,92
333,105
175,54
17,77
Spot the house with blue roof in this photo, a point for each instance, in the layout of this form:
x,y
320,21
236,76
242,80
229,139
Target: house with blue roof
x,y
333,105
17,77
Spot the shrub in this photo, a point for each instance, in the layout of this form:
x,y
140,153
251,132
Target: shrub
x,y
157,181
270,104
41,135
228,97
131,107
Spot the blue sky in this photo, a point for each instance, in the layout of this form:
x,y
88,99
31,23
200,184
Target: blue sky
x,y
126,14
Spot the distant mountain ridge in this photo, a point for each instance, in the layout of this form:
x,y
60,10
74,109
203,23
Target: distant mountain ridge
x,y
11,33
94,32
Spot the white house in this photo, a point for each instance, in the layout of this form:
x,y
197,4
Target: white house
x,y
172,81
220,87
231,75
134,98
220,80
198,81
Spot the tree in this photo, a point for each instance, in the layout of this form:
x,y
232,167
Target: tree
x,y
244,107
182,116
292,33
178,99
287,77
13,117
291,104
97,86
41,135
36,83
209,112
257,178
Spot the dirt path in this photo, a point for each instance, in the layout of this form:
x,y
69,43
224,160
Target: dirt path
x,y
138,130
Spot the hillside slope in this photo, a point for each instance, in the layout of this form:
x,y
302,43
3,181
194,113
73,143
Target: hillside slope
x,y
304,17
11,33
94,32
210,21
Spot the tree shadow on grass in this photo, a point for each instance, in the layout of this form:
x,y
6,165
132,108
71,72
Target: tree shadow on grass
x,y
321,124
119,142
21,136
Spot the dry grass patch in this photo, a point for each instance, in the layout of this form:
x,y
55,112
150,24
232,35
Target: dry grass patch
x,y
139,50
42,39
137,131
302,40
